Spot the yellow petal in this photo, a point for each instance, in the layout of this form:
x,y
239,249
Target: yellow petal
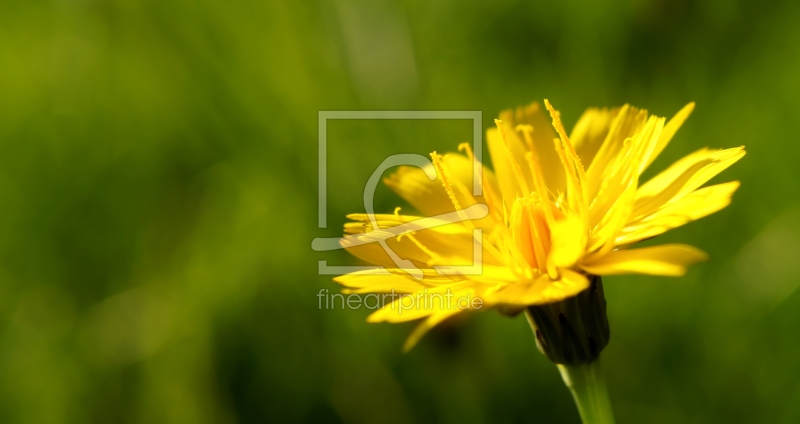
x,y
668,259
573,168
425,326
494,274
651,137
683,177
542,290
666,177
602,239
423,249
507,157
568,238
588,134
542,140
363,224
523,233
570,284
429,197
626,124
448,299
696,205
614,203
669,131
369,282
407,307
616,181
515,293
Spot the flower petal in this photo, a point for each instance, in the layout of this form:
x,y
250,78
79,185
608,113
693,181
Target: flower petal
x,y
370,282
668,132
423,303
542,139
696,205
425,326
626,124
682,178
668,259
568,238
424,248
505,159
540,291
429,197
588,134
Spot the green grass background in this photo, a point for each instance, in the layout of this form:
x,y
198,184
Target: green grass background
x,y
158,183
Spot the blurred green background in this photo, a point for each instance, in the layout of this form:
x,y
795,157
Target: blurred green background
x,y
158,180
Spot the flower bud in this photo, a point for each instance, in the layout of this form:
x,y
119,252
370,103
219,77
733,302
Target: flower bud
x,y
575,330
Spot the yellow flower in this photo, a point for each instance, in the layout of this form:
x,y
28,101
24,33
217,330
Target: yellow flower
x,y
560,209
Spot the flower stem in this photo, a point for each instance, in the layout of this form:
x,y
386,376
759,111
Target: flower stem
x,y
589,391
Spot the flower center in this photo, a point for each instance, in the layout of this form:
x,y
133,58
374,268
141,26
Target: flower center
x,y
530,232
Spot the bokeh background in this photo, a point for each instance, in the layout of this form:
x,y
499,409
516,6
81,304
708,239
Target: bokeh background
x,y
158,182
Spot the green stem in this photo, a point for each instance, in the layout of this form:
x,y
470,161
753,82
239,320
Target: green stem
x,y
589,391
